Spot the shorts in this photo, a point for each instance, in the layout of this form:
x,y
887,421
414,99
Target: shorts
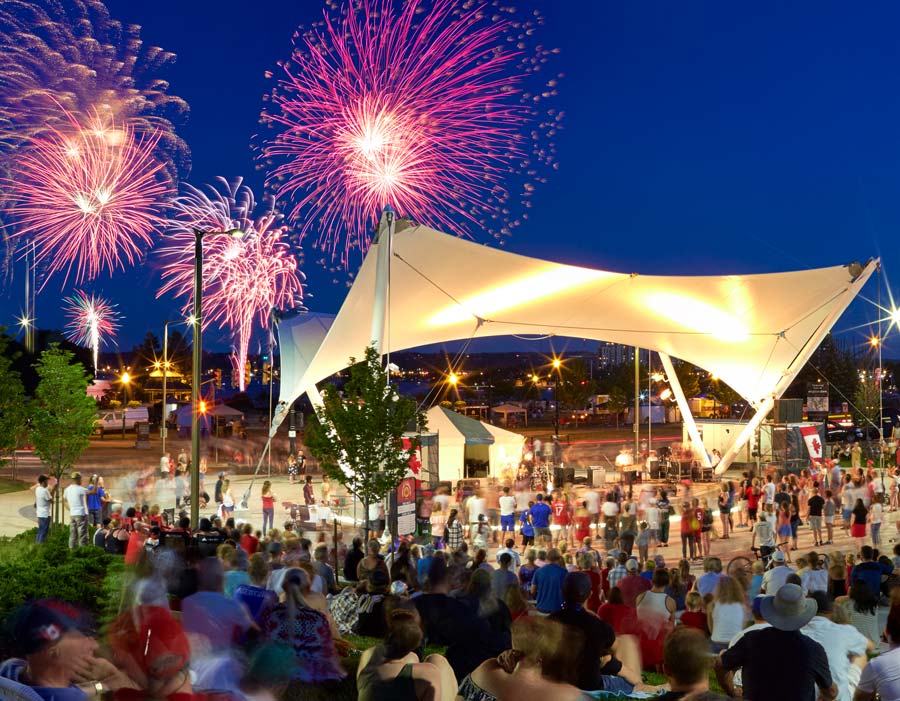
x,y
617,684
784,531
752,513
815,522
541,532
845,514
376,524
527,540
654,534
829,520
508,523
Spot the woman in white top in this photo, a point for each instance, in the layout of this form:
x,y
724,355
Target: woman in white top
x,y
815,578
876,513
727,612
656,602
882,675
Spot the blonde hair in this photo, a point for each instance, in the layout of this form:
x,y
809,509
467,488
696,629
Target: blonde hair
x,y
729,591
540,640
693,601
266,488
757,567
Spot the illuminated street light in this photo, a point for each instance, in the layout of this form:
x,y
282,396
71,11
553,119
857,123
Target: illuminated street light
x,y
874,341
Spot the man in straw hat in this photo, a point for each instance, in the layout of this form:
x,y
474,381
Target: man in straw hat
x,y
780,663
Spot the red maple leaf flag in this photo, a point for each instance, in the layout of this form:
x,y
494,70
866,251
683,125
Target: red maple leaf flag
x,y
811,438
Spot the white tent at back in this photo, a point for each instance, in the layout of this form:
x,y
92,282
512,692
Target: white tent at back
x,y
755,332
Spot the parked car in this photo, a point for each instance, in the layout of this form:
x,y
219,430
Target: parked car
x,y
119,419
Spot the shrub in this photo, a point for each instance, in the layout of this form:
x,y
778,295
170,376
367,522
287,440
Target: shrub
x,y
87,577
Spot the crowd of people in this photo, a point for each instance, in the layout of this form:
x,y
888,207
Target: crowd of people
x,y
578,597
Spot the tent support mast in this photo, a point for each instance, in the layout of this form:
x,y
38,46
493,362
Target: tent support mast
x,y
687,417
859,277
384,238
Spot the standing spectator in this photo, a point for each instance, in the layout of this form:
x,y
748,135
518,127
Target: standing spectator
x,y
764,534
309,494
860,516
562,518
705,516
829,511
753,496
779,663
75,499
96,496
453,531
476,512
527,528
687,532
376,518
43,503
268,507
438,522
816,505
610,513
546,587
508,514
725,503
876,514
628,529
665,513
217,493
540,519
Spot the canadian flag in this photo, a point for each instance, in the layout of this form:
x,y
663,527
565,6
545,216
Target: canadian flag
x,y
813,442
415,459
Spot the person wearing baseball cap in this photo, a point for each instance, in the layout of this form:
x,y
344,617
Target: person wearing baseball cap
x,y
779,663
777,576
56,650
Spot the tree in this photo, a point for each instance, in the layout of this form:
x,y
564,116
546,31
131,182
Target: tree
x,y
686,374
866,406
618,401
356,434
64,414
13,402
575,385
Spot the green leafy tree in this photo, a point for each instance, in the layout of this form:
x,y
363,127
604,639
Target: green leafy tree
x,y
866,407
63,414
356,433
13,402
575,385
687,378
618,402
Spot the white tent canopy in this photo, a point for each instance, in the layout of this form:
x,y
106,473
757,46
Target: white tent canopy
x,y
755,332
504,410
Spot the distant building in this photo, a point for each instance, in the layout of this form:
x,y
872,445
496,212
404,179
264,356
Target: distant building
x,y
611,355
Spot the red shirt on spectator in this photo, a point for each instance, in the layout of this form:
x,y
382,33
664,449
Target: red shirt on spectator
x,y
560,513
619,616
249,543
593,602
695,619
631,585
582,528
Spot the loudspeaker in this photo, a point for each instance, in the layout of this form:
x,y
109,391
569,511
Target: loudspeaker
x,y
563,475
788,411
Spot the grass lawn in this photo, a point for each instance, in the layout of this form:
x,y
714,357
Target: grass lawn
x,y
9,485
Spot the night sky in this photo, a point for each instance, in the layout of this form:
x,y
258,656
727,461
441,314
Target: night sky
x,y
699,138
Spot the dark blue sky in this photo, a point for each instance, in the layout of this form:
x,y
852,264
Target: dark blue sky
x,y
699,137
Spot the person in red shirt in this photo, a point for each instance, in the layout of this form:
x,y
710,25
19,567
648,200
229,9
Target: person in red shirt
x,y
698,530
562,518
694,616
582,520
588,565
622,618
632,583
249,542
752,493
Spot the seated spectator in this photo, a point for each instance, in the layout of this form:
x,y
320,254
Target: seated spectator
x,y
547,584
392,671
815,578
526,572
422,565
588,565
621,617
880,678
516,603
776,577
632,584
371,562
757,570
532,673
354,556
254,595
677,589
695,614
57,653
686,662
324,570
779,663
712,568
869,570
502,579
234,575
844,645
306,630
595,662
212,616
861,608
371,620
727,613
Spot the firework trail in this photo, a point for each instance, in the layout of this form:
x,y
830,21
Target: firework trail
x,y
65,58
425,109
243,278
88,198
70,57
92,320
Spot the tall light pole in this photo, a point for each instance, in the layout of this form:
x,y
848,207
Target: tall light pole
x,y
124,379
165,369
557,364
195,369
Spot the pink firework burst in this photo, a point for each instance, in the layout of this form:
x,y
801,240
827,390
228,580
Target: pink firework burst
x,y
89,199
243,279
91,321
425,109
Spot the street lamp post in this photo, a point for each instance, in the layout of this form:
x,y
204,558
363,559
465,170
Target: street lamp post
x,y
124,379
195,369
